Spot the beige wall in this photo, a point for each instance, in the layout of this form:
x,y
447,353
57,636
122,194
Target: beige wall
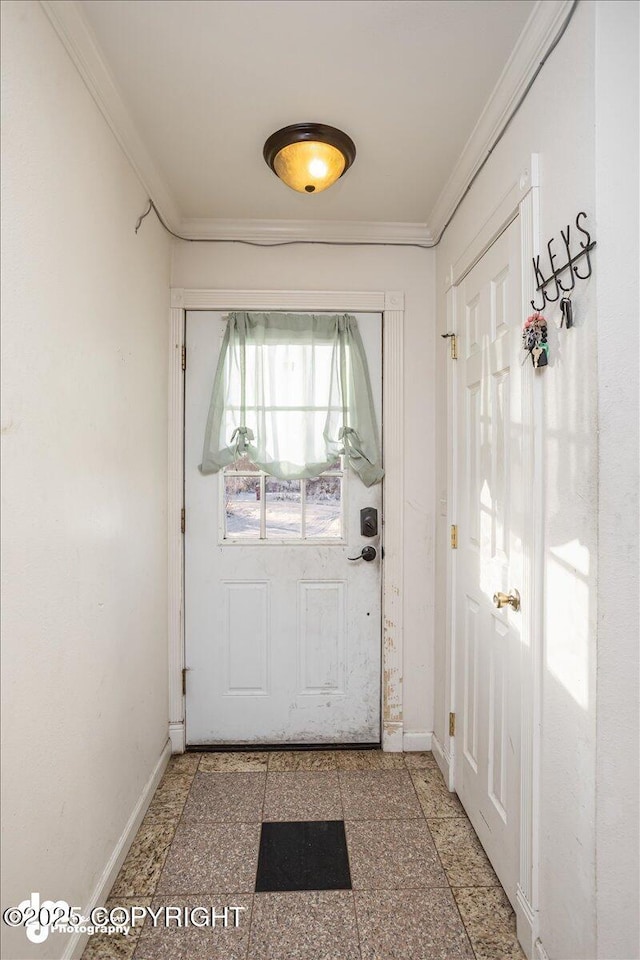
x,y
617,721
314,267
84,461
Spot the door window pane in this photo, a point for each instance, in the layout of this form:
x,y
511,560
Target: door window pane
x,y
283,506
263,508
242,507
323,513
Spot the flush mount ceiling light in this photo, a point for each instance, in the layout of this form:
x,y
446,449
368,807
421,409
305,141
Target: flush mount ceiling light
x,y
309,157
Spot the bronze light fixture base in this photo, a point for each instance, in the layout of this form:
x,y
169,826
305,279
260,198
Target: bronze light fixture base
x,y
309,157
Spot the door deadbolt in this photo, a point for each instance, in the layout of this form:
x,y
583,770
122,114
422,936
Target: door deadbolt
x,y
507,600
368,522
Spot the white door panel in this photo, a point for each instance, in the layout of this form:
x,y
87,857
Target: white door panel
x,y
282,635
490,546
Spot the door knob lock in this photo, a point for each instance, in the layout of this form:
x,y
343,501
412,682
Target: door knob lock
x,y
507,600
367,553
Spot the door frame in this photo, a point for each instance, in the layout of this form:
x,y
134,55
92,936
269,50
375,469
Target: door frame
x,y
521,202
391,305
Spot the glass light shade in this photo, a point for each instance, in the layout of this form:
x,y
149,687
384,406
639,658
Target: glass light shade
x,y
309,166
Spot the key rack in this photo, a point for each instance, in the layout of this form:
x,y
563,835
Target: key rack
x,y
542,282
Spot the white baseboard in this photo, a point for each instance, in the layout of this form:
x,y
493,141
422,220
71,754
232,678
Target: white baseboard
x,y
78,941
526,926
541,953
416,740
177,736
392,736
442,758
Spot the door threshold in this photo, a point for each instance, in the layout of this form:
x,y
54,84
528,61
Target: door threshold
x,y
264,747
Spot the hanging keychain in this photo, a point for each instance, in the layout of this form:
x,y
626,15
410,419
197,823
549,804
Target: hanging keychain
x,y
567,312
534,339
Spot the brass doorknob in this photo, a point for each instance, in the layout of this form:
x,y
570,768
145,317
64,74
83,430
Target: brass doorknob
x,y
507,600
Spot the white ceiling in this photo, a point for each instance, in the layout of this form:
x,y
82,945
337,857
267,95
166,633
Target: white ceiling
x,y
207,81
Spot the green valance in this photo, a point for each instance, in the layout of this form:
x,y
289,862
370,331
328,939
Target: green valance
x,y
292,393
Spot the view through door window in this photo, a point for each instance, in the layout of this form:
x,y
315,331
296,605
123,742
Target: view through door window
x,y
258,507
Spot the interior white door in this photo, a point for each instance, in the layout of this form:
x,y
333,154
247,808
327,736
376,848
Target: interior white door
x,y
282,630
490,551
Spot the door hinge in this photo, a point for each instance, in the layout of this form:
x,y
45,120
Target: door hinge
x,y
184,681
184,357
454,536
453,345
183,520
452,724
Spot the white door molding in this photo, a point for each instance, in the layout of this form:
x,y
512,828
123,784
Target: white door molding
x,y
533,584
391,305
520,201
175,592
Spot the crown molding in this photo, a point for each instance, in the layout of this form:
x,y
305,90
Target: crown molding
x,y
307,231
70,24
540,31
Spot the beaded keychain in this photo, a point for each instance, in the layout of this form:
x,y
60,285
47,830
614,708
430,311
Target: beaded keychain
x,y
534,339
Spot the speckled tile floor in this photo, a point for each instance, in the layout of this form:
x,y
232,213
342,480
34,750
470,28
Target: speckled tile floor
x,y
422,887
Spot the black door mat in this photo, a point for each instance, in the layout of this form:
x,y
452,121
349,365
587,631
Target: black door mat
x,y
303,855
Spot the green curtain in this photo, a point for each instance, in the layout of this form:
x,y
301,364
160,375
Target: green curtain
x,y
292,393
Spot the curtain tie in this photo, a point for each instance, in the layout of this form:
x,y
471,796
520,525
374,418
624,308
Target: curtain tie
x,y
242,436
352,441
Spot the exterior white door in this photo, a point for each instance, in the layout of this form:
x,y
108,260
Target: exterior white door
x,y
490,551
282,630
